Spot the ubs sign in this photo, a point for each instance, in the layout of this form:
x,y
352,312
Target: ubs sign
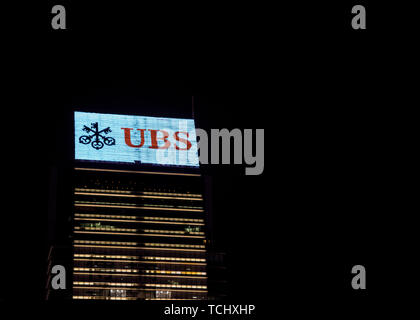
x,y
135,139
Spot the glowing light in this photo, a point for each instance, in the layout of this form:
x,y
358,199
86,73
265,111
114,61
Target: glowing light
x,y
135,139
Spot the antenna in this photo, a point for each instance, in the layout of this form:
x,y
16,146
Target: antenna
x,y
192,106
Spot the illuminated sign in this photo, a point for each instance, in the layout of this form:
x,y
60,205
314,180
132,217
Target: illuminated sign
x,y
135,139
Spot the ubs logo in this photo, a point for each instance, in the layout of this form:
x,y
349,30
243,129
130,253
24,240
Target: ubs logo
x,y
96,136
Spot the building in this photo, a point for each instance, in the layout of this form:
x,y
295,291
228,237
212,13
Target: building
x,y
139,224
138,235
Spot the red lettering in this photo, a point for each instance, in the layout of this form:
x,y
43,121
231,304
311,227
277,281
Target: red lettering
x,y
187,143
154,138
127,137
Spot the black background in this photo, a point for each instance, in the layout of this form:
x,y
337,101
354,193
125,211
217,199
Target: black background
x,y
328,97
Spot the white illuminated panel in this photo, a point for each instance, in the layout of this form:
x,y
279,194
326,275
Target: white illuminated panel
x,y
135,139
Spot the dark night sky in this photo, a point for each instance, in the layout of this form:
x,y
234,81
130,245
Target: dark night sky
x,y
323,203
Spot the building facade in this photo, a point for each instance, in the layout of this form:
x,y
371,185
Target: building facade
x,y
138,227
138,235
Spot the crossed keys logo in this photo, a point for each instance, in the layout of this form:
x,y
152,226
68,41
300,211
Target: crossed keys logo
x,y
95,137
